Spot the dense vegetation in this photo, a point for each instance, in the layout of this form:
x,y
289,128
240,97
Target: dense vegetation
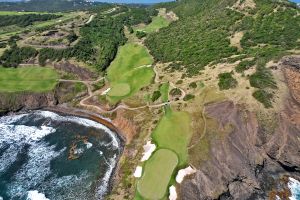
x,y
201,35
25,20
226,81
100,39
46,5
14,56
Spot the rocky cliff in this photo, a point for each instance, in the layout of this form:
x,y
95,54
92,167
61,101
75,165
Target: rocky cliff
x,y
64,92
252,159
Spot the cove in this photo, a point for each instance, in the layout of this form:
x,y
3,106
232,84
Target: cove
x,y
46,155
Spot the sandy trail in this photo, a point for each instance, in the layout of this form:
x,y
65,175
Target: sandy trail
x,y
84,102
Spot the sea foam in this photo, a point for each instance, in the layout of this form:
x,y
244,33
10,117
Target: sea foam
x,y
294,186
35,195
81,121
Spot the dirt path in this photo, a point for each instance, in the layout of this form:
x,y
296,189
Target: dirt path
x,y
156,80
84,103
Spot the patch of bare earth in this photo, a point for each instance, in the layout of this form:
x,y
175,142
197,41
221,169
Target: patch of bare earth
x,y
235,40
244,5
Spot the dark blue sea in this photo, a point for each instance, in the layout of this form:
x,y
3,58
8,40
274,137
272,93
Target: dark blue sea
x,y
46,156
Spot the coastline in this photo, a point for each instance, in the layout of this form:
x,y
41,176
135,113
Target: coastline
x,y
68,111
99,119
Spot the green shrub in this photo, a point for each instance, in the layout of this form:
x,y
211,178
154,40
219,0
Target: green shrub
x,y
155,96
188,97
140,34
99,85
175,92
226,81
263,97
262,78
179,82
244,65
193,85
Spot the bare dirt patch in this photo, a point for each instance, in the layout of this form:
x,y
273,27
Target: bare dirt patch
x,y
235,39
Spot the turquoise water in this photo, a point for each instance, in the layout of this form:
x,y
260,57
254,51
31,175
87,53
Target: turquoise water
x,y
44,155
294,186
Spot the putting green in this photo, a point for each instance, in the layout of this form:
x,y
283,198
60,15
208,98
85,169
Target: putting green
x,y
157,23
119,90
157,173
33,79
173,132
131,67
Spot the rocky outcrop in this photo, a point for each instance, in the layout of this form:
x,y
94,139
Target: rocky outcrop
x,y
25,100
63,92
247,162
82,73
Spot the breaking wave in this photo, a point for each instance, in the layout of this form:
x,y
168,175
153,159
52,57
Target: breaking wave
x,y
35,157
294,187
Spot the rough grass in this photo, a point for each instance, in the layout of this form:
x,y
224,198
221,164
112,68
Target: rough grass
x,y
173,132
33,79
157,173
119,90
130,67
164,90
157,23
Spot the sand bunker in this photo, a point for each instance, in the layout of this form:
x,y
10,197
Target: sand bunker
x,y
173,193
149,148
138,172
184,172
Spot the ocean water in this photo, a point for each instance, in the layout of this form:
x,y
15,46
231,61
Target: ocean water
x,y
46,156
294,186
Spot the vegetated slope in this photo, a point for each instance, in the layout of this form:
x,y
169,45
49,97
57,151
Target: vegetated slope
x,y
226,31
45,5
202,34
98,42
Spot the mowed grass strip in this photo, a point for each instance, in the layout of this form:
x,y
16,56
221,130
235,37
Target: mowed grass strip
x,y
19,13
157,174
157,23
164,90
173,132
131,67
31,79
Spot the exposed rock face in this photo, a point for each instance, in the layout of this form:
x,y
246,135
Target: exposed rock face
x,y
247,162
18,101
82,73
64,92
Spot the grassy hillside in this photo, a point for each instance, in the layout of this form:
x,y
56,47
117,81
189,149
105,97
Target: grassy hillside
x,y
203,37
30,79
209,32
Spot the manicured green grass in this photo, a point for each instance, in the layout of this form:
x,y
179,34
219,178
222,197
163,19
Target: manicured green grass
x,y
19,13
173,132
157,23
119,90
33,79
164,90
129,67
157,173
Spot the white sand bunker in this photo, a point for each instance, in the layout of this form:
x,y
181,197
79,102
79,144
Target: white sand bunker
x,y
138,172
184,172
149,148
173,193
105,91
